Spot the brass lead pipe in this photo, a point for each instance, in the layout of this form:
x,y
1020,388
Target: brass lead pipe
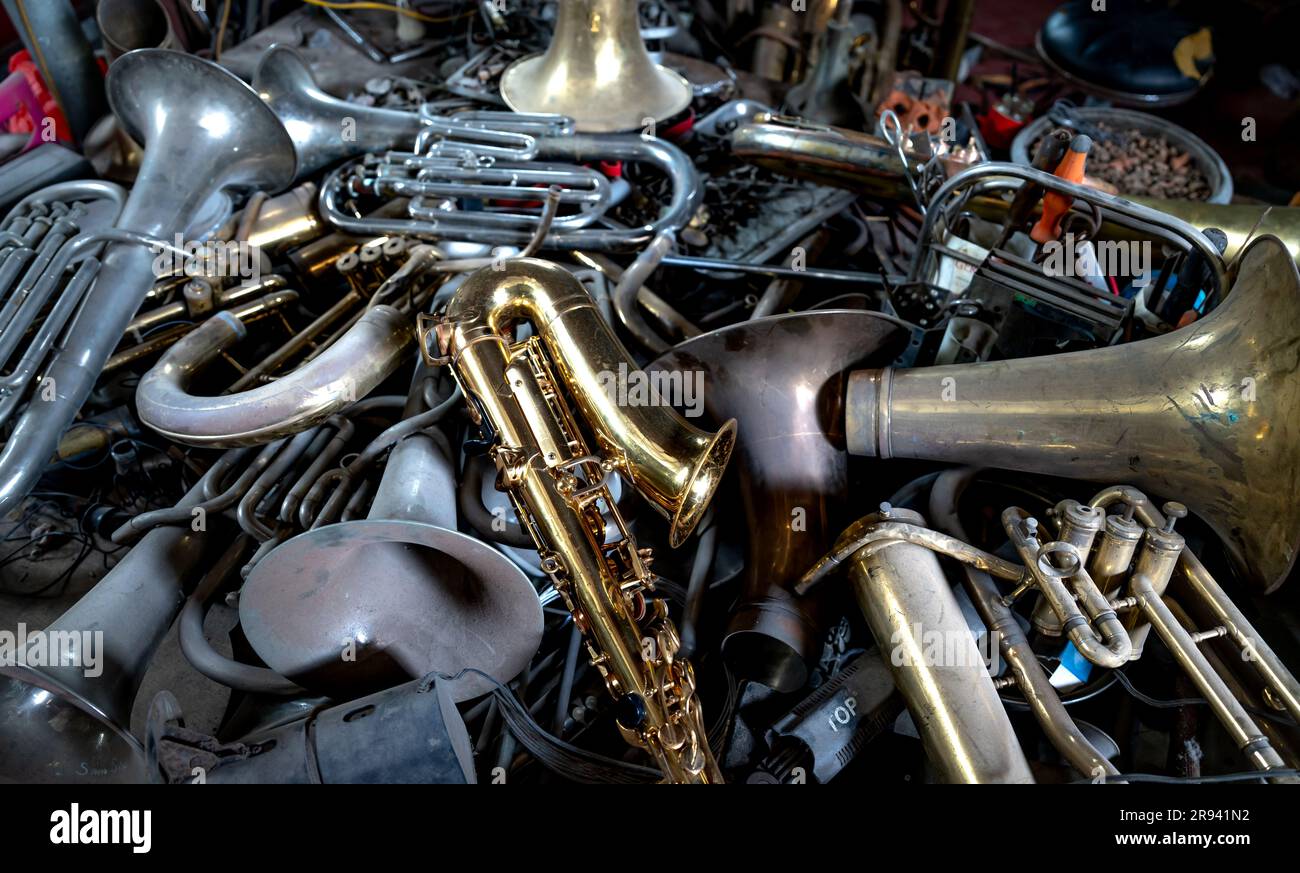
x,y
1253,744
907,601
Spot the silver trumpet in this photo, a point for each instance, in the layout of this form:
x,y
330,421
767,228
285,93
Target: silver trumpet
x,y
204,131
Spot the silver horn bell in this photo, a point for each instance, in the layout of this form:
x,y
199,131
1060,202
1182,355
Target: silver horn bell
x,y
361,605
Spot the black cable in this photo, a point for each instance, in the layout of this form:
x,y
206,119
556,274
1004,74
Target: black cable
x,y
1252,776
1193,701
568,760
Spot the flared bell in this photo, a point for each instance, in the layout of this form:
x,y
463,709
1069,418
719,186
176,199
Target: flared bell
x,y
201,126
203,131
356,607
71,721
782,379
325,129
596,71
1209,414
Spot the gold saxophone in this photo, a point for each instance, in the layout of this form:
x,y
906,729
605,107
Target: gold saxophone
x,y
520,393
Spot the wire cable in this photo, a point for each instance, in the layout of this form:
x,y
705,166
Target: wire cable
x,y
389,7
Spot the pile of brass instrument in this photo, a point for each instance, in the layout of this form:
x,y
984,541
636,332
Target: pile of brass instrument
x,y
618,406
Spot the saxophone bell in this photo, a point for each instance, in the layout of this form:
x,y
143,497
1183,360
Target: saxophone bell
x,y
522,390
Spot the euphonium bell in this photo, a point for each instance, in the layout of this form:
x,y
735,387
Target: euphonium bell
x,y
204,130
782,379
596,71
1209,413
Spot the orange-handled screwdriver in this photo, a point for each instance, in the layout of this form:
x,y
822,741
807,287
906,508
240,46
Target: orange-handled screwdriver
x,y
1056,205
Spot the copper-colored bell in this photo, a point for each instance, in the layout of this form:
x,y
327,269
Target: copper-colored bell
x,y
596,71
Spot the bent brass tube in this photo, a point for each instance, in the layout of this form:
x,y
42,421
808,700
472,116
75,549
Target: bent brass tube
x,y
674,465
873,534
348,370
963,725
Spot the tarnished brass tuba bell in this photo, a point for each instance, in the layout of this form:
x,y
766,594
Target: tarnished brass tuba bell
x,y
1210,412
782,379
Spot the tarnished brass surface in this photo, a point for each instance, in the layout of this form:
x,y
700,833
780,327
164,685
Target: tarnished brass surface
x,y
597,72
1207,412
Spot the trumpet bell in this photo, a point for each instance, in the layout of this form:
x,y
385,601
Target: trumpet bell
x,y
1209,413
596,71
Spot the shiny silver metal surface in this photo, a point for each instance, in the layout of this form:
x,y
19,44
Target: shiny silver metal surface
x,y
325,129
204,130
353,366
684,201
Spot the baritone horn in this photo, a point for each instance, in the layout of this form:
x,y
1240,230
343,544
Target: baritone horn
x,y
1210,413
204,131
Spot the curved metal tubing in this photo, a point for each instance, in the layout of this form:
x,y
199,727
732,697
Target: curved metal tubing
x,y
1108,645
1124,213
676,466
204,130
367,354
687,194
325,129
